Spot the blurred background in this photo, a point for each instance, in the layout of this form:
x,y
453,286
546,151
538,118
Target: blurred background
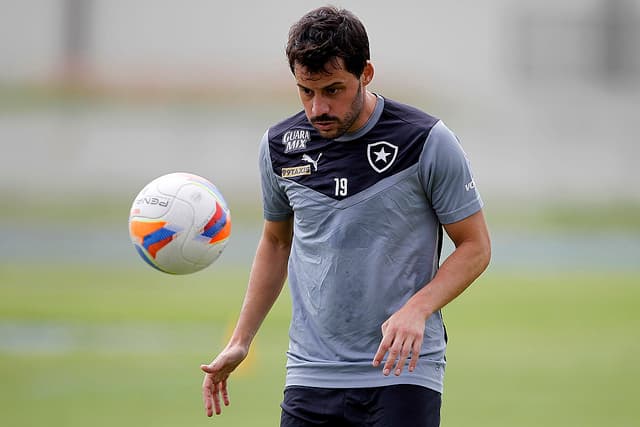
x,y
98,97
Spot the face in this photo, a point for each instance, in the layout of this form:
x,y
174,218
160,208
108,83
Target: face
x,y
335,100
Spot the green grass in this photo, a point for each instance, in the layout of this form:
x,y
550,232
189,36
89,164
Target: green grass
x,y
622,216
103,210
545,350
579,216
102,347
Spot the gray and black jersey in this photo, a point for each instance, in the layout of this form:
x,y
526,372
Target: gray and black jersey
x,y
368,210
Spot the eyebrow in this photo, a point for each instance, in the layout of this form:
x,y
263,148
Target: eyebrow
x,y
339,83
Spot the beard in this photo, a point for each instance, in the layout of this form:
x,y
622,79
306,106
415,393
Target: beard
x,y
342,124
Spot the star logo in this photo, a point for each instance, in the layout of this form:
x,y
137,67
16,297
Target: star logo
x,y
381,155
378,155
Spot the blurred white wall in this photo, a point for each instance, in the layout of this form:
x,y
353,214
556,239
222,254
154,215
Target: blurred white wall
x,y
543,94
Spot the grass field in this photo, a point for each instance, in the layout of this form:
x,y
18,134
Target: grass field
x,y
88,346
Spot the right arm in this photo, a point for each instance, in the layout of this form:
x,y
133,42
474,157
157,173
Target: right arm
x,y
266,280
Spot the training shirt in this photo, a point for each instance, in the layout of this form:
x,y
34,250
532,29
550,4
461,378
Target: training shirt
x,y
368,210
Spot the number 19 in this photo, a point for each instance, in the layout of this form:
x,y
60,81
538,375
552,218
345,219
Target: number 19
x,y
341,186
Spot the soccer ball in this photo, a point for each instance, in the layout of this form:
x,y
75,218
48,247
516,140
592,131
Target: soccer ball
x,y
179,223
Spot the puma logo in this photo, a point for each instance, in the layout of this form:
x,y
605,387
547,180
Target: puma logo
x,y
308,159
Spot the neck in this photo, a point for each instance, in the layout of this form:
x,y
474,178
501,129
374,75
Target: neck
x,y
368,107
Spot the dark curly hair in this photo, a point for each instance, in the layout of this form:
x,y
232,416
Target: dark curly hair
x,y
326,34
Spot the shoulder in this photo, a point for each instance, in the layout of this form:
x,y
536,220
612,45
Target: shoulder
x,y
443,141
409,115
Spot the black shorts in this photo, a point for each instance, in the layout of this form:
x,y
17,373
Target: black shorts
x,y
390,406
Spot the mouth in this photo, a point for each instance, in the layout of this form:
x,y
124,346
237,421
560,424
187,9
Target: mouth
x,y
324,125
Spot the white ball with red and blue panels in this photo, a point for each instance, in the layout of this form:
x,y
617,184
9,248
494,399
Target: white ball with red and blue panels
x,y
179,223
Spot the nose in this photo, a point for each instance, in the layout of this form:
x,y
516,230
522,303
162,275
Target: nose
x,y
319,106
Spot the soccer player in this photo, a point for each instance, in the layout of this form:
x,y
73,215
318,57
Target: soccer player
x,y
357,190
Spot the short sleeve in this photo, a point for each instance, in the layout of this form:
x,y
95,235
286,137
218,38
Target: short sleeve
x,y
274,200
447,177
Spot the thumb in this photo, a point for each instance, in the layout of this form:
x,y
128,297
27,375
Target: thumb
x,y
209,369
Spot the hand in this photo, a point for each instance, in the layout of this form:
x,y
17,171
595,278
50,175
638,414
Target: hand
x,y
402,334
215,378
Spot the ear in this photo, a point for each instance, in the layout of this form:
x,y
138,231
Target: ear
x,y
367,73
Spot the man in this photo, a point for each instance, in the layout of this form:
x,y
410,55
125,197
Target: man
x,y
357,189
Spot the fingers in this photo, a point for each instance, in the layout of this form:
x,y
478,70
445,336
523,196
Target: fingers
x,y
207,395
225,393
211,392
395,354
392,355
404,354
216,399
415,355
382,350
397,347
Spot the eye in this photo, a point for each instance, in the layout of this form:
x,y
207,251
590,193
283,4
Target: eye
x,y
332,90
306,91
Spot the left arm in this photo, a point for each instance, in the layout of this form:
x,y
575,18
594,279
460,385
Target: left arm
x,y
403,332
